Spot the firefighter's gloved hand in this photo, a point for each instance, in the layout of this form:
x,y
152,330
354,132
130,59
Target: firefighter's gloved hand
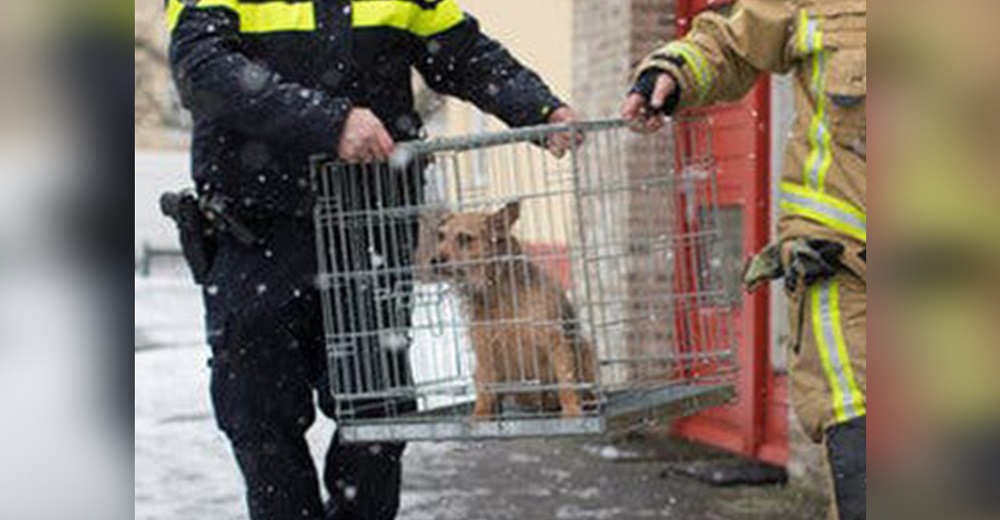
x,y
654,95
811,261
364,138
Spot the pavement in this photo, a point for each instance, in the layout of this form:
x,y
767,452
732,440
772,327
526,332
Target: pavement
x,y
183,469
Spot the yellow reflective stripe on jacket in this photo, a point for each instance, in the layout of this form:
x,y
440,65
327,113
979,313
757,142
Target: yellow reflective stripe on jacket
x,y
849,402
809,37
255,18
820,158
408,16
698,63
829,211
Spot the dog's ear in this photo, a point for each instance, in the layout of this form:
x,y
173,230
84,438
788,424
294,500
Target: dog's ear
x,y
505,219
436,220
444,218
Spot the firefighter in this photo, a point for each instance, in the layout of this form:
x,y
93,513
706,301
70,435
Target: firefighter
x,y
821,248
270,85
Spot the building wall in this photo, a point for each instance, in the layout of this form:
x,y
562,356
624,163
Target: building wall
x,y
538,32
160,123
609,39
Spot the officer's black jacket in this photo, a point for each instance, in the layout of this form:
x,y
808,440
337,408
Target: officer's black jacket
x,y
270,83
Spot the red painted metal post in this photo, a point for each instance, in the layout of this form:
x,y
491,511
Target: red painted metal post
x,y
756,426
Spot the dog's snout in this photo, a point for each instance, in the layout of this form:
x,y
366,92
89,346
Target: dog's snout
x,y
441,264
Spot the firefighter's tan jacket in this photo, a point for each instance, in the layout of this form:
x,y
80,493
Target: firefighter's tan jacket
x,y
823,44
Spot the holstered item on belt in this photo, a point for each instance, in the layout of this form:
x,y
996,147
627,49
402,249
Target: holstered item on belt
x,y
197,234
200,221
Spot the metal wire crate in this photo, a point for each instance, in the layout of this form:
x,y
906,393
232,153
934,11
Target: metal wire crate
x,y
478,288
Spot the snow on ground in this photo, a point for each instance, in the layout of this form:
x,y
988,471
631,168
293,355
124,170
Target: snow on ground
x,y
183,467
168,312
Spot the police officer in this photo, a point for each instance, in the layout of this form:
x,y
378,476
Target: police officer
x,y
822,230
270,84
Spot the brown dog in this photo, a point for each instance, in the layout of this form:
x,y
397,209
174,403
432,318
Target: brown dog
x,y
525,332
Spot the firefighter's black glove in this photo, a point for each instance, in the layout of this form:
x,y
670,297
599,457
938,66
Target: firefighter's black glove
x,y
645,86
812,261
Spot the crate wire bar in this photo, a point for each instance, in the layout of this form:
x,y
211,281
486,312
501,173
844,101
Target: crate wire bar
x,y
479,288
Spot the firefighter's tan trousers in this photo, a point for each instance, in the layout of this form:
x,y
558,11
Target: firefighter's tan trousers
x,y
829,364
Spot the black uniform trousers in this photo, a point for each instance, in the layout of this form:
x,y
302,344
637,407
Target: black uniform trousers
x,y
269,369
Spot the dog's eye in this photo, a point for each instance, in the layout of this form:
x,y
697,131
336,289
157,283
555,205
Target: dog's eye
x,y
465,240
442,237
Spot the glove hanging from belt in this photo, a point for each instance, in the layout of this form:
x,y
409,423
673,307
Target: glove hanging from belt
x,y
800,262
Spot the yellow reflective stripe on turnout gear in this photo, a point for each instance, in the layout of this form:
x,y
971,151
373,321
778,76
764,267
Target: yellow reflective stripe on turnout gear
x,y
809,37
255,18
820,157
408,16
696,60
817,206
849,402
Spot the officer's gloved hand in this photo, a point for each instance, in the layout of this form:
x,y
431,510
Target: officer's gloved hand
x,y
654,95
561,143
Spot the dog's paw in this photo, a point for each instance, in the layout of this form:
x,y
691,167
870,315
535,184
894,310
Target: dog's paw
x,y
483,411
482,415
572,412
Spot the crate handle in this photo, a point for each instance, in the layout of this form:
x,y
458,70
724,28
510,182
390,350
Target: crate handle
x,y
503,137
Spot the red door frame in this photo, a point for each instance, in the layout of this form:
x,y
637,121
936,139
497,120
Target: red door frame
x,y
756,426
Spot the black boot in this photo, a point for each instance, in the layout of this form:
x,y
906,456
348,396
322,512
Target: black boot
x,y
847,445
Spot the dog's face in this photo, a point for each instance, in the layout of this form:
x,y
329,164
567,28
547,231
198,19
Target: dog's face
x,y
467,243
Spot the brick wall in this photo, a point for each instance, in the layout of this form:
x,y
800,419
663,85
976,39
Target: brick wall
x,y
610,38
